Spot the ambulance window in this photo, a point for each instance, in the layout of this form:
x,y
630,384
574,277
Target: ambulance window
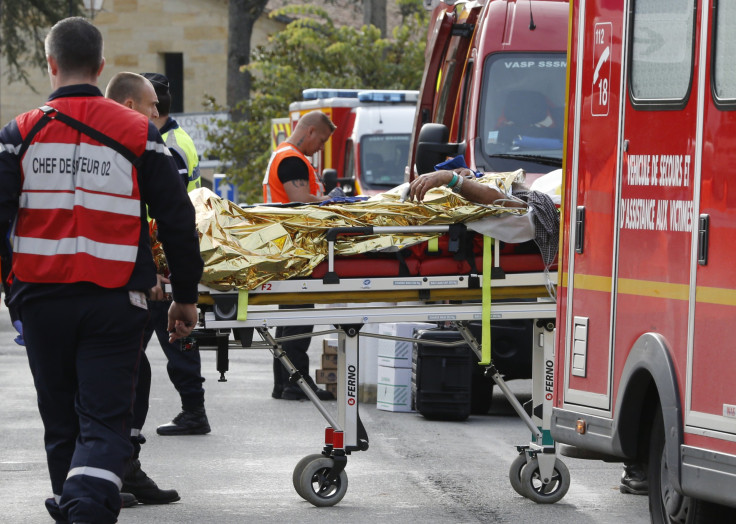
x,y
662,51
724,73
383,159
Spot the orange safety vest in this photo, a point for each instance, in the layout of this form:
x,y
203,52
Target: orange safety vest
x,y
79,216
273,189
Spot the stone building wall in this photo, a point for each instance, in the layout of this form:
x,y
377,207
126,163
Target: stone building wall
x,y
137,33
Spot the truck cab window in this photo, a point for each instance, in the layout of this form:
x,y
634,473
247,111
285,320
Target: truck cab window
x,y
522,108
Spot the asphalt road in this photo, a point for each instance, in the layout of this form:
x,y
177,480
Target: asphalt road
x,y
416,471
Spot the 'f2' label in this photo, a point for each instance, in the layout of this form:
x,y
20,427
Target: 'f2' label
x,y
601,98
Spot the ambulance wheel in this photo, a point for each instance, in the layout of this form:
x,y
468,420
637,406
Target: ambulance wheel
x,y
314,486
535,488
299,468
515,473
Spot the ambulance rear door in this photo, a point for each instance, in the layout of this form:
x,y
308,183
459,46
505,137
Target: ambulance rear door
x,y
711,390
596,94
655,236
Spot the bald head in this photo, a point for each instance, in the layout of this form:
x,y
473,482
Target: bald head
x,y
311,132
316,119
134,91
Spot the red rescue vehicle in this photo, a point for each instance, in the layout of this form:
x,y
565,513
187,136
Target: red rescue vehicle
x,y
645,362
493,91
494,86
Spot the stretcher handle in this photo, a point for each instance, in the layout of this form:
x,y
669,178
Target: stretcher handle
x,y
334,232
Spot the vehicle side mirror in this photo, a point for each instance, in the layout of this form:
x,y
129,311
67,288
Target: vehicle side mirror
x,y
433,147
329,179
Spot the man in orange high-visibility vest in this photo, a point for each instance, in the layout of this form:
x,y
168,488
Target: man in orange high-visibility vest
x,y
290,177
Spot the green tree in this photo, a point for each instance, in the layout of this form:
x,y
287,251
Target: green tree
x,y
312,52
23,27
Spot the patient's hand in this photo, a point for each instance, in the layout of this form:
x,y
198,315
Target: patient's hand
x,y
423,183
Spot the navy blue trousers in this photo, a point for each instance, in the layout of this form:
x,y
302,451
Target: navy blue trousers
x,y
184,367
83,353
296,350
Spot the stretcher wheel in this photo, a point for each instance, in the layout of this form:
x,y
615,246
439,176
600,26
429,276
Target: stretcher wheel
x,y
314,486
534,488
515,473
298,471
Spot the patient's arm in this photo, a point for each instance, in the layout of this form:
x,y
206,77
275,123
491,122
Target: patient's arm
x,y
471,190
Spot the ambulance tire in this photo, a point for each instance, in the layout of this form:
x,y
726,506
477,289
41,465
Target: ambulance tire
x,y
667,506
515,473
315,488
297,475
534,488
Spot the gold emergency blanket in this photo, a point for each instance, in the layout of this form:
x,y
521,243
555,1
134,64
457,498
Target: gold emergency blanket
x,y
245,248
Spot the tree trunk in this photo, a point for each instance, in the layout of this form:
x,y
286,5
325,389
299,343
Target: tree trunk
x,y
374,12
242,16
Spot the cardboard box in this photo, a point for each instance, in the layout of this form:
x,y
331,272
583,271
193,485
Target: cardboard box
x,y
397,353
329,346
329,361
394,389
325,376
332,388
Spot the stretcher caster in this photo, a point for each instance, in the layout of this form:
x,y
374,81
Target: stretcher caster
x,y
515,473
299,468
315,485
544,491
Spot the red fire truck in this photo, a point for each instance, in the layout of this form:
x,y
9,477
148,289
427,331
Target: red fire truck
x,y
645,372
494,86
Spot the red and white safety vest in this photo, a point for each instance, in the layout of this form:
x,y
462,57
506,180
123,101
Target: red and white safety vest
x,y
273,189
79,218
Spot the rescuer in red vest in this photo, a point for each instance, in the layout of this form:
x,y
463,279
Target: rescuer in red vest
x,y
77,175
290,177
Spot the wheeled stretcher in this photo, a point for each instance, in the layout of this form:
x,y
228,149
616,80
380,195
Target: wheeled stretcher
x,y
494,285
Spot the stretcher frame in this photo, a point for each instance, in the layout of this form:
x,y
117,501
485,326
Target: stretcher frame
x,y
416,301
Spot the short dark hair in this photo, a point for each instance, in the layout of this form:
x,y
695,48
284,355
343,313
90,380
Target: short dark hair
x,y
161,86
76,45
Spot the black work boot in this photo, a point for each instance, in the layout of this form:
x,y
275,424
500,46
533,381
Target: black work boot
x,y
127,500
277,390
143,488
634,479
294,392
188,422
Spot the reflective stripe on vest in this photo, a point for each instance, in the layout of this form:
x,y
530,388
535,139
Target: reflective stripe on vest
x,y
79,217
273,189
179,140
